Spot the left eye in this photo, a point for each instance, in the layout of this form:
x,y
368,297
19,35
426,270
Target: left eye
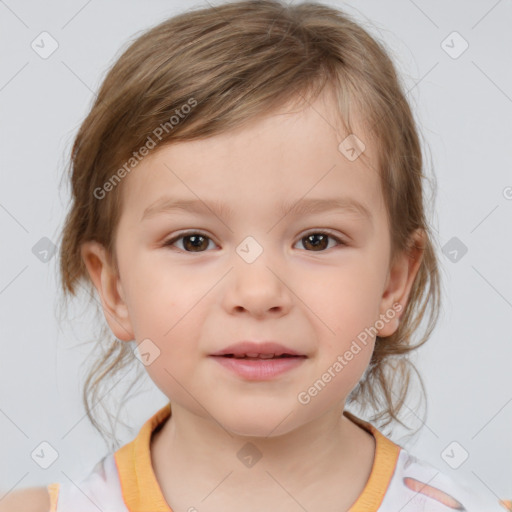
x,y
319,240
197,242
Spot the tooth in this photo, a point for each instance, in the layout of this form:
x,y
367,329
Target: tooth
x,y
254,354
266,356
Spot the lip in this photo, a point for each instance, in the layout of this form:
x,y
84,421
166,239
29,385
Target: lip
x,y
252,347
258,369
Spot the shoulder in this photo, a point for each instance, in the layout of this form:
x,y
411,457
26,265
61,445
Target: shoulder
x,y
418,485
32,499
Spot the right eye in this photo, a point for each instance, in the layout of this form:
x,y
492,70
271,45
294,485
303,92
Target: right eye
x,y
193,241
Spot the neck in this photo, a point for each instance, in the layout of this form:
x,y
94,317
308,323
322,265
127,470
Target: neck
x,y
196,449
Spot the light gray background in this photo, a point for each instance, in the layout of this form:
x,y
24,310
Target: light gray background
x,y
464,108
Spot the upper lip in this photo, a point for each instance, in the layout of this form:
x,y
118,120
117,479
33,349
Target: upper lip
x,y
252,347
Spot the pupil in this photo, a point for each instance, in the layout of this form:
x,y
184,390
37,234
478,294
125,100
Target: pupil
x,y
195,241
319,240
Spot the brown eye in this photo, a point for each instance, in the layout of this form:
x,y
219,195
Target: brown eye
x,y
193,242
318,241
197,243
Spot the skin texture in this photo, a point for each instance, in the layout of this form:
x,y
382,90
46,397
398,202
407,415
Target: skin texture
x,y
31,499
191,304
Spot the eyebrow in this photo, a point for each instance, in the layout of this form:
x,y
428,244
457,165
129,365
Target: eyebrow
x,y
222,210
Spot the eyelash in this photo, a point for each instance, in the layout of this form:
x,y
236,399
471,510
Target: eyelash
x,y
171,241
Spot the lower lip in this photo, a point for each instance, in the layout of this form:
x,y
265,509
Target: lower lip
x,y
259,369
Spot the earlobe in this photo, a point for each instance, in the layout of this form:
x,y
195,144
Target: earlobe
x,y
401,277
109,288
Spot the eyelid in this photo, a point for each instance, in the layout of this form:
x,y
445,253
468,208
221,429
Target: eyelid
x,y
341,239
180,234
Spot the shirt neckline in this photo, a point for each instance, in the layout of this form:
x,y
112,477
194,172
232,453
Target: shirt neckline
x,y
141,490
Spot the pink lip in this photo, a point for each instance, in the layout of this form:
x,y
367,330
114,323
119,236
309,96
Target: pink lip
x,y
259,369
252,347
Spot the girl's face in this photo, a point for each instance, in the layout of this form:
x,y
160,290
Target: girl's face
x,y
238,263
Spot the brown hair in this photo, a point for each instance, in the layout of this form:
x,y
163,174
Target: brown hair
x,y
238,61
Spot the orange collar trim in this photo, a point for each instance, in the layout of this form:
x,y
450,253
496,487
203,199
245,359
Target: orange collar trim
x,y
142,492
384,464
140,488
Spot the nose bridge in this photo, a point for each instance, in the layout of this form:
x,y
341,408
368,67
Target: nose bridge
x,y
257,279
254,259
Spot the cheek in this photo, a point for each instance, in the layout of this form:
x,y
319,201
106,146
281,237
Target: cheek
x,y
343,301
175,339
156,298
343,309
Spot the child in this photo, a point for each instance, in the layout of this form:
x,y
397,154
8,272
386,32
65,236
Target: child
x,y
247,202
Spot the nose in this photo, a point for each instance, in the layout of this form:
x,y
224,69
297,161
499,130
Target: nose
x,y
259,288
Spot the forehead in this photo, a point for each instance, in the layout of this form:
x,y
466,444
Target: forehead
x,y
295,153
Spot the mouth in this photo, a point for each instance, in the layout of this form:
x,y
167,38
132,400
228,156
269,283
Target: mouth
x,y
258,361
258,350
256,357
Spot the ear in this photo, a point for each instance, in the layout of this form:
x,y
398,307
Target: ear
x,y
401,275
108,285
